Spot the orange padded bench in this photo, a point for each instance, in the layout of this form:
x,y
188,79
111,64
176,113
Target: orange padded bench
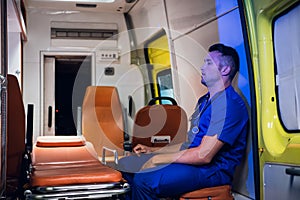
x,y
213,193
68,167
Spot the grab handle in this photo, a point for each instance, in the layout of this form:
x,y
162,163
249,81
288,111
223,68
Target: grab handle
x,y
152,101
292,172
49,116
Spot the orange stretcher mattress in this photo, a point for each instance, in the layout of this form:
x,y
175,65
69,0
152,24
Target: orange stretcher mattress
x,y
75,175
63,155
61,162
60,141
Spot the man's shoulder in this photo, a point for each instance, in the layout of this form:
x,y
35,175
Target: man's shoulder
x,y
236,102
234,96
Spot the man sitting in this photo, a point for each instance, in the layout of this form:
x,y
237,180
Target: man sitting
x,y
216,139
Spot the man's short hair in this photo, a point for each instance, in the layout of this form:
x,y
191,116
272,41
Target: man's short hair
x,y
230,57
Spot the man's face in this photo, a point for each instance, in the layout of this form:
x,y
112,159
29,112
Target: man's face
x,y
210,69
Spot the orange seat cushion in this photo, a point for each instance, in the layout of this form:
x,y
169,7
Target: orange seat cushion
x,y
159,120
102,118
215,193
15,127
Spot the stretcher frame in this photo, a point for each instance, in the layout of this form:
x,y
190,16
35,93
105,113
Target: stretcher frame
x,y
87,191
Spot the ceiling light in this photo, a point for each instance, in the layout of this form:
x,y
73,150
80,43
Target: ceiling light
x,y
88,1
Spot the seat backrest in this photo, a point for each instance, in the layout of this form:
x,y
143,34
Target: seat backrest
x,y
102,118
159,125
15,128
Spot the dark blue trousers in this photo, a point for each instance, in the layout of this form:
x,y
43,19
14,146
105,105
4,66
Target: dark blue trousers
x,y
169,180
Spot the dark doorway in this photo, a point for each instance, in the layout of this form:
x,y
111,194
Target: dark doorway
x,y
72,76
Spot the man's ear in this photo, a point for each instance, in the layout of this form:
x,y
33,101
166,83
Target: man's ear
x,y
225,71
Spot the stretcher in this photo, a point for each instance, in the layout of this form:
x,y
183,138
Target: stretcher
x,y
67,167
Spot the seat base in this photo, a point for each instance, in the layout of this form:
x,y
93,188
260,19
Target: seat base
x,y
213,193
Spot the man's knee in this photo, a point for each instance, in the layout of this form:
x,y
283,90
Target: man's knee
x,y
138,180
143,181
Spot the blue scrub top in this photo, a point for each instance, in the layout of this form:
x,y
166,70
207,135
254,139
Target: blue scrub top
x,y
226,115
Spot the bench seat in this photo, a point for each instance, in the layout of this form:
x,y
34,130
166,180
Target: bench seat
x,y
213,193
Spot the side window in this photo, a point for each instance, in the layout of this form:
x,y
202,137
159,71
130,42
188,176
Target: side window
x,y
165,85
287,60
160,75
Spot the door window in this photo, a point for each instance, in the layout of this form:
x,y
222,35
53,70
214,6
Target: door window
x,y
287,54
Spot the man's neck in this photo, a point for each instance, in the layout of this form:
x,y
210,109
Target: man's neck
x,y
214,89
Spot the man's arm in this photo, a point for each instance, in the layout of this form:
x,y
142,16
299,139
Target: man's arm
x,y
200,155
167,149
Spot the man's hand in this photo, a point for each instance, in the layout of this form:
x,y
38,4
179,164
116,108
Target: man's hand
x,y
141,149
